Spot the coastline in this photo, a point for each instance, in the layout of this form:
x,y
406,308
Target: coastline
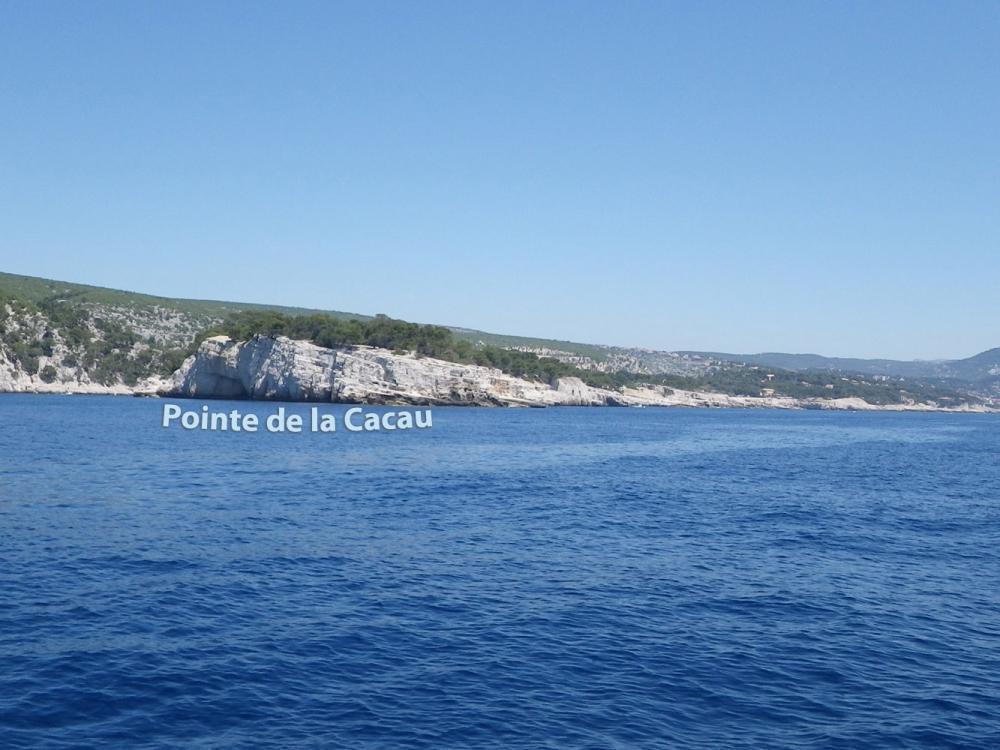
x,y
265,368
682,400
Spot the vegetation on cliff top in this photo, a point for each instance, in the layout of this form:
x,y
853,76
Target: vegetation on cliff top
x,y
388,333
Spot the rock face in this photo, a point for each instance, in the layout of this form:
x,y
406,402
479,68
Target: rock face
x,y
262,368
279,369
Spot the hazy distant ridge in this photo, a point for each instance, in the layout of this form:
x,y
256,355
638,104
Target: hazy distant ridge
x,y
977,369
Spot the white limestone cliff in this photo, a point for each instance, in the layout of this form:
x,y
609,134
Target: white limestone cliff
x,y
281,369
262,368
266,368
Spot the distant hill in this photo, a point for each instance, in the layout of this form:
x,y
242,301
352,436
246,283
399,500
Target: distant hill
x,y
36,290
978,369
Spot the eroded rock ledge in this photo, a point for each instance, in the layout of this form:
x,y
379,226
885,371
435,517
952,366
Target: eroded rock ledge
x,y
280,369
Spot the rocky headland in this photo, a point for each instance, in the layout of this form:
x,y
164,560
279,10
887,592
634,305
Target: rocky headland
x,y
280,369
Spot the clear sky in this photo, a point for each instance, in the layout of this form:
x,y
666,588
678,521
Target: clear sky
x,y
795,176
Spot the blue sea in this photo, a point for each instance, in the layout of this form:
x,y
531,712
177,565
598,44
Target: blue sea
x,y
558,578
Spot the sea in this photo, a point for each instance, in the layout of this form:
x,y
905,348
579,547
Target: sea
x,y
509,578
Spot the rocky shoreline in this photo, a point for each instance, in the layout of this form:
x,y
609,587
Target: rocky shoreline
x,y
280,369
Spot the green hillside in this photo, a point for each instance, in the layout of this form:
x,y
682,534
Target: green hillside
x,y
38,290
61,332
595,352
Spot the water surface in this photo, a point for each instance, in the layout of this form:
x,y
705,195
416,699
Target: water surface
x,y
561,578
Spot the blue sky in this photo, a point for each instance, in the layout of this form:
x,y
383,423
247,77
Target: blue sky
x,y
797,176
